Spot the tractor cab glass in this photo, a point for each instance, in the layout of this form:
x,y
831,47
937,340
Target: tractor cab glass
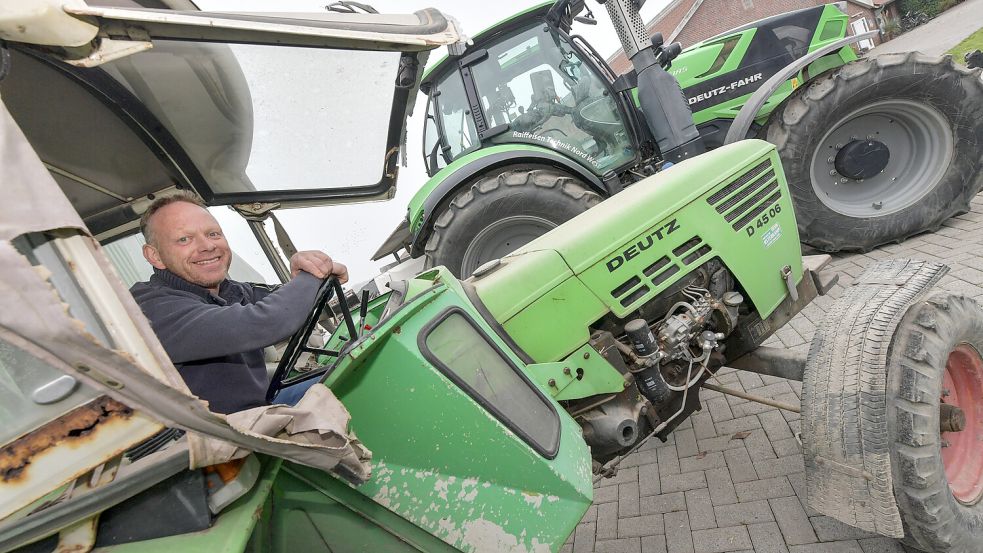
x,y
250,130
537,86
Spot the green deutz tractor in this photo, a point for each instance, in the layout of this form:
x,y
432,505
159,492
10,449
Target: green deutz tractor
x,y
529,127
490,405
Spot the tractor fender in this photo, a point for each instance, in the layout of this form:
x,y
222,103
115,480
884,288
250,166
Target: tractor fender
x,y
425,206
742,123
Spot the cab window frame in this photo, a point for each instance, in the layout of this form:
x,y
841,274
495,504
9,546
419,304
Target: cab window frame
x,y
547,451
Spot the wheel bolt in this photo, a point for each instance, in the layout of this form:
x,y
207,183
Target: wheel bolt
x,y
830,159
843,180
951,418
832,172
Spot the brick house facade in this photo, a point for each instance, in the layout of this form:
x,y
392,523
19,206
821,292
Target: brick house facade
x,y
690,21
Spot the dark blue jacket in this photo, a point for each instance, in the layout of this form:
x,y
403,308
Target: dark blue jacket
x,y
216,342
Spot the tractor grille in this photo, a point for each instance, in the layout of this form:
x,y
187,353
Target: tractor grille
x,y
661,271
743,200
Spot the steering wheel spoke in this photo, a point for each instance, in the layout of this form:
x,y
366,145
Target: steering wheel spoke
x,y
297,344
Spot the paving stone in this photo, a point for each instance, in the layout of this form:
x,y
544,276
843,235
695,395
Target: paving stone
x,y
830,529
654,544
749,380
792,521
648,525
641,457
607,521
721,486
627,545
648,480
719,410
629,474
684,482
770,468
700,509
702,461
720,540
678,536
605,494
583,538
703,425
798,482
758,446
686,443
753,512
665,503
721,443
566,548
750,408
775,425
733,426
766,488
590,515
777,386
668,461
828,547
628,499
767,538
881,545
740,465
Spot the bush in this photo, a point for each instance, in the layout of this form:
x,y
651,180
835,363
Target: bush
x,y
930,8
891,28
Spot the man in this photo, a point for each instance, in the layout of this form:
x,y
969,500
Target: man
x,y
213,328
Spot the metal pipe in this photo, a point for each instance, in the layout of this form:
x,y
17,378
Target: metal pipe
x,y
756,399
780,362
266,244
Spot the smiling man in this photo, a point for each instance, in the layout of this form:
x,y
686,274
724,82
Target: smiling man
x,y
214,328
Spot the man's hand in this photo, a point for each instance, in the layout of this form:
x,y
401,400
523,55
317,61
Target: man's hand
x,y
318,264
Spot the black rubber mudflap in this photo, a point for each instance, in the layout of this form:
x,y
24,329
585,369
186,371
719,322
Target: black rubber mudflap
x,y
844,426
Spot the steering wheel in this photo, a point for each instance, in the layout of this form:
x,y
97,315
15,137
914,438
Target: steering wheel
x,y
297,344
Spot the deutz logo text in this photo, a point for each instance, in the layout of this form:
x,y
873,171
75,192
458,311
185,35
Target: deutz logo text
x,y
645,243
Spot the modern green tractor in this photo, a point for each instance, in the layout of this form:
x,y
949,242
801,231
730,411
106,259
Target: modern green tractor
x,y
529,127
455,415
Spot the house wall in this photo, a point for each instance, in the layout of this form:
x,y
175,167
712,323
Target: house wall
x,y
716,16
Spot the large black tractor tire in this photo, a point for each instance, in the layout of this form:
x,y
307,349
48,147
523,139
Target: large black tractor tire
x,y
938,476
881,149
502,211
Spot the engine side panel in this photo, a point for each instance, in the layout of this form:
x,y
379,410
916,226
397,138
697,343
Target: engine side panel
x,y
743,216
732,203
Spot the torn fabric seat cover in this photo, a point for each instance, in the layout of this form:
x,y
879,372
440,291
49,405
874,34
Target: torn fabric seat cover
x,y
140,375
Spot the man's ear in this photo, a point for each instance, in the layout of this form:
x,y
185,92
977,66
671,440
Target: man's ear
x,y
152,256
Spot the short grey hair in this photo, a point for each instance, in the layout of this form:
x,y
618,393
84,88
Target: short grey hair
x,y
157,204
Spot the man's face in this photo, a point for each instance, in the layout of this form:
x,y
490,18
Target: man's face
x,y
189,242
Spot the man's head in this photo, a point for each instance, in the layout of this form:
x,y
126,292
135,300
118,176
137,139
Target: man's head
x,y
184,238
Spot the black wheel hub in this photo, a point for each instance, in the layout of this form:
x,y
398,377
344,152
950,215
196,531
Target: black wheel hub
x,y
862,159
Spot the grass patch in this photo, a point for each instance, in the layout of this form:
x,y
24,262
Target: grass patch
x,y
972,42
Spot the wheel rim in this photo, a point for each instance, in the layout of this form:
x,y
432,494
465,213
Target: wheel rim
x,y
920,142
502,238
962,458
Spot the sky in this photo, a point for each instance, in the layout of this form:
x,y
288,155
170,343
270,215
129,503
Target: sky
x,y
352,233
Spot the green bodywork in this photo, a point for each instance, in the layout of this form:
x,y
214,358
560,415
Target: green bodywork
x,y
734,199
723,54
711,60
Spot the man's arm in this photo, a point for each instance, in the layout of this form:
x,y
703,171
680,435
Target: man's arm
x,y
191,330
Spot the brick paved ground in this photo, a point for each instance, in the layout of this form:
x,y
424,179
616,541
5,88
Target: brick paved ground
x,y
705,491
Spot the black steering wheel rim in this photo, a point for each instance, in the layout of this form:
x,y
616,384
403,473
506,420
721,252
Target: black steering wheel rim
x,y
297,343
